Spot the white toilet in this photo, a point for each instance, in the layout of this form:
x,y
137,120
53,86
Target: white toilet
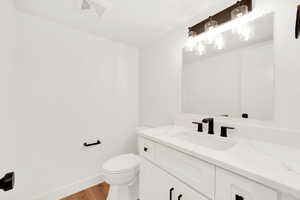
x,y
121,173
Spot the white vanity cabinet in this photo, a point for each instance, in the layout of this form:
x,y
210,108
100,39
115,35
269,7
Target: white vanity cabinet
x,y
156,184
168,174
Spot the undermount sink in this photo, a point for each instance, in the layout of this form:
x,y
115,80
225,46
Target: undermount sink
x,y
206,140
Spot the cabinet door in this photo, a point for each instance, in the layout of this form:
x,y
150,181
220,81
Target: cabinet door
x,y
184,192
155,184
230,186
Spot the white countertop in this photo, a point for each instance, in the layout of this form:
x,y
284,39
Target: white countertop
x,y
273,165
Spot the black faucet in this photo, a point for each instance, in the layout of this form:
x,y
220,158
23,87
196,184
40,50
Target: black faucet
x,y
210,122
224,130
200,126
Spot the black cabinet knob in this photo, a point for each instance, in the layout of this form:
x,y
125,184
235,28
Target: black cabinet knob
x,y
238,197
145,149
7,182
245,115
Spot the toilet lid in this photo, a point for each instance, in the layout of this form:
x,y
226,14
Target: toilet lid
x,y
122,163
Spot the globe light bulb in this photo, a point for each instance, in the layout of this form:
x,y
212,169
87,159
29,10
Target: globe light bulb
x,y
239,11
191,42
200,49
219,42
245,32
209,26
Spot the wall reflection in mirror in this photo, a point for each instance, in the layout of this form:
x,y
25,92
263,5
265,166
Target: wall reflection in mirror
x,y
235,77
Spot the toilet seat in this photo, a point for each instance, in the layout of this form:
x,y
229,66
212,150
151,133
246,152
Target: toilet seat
x,y
122,164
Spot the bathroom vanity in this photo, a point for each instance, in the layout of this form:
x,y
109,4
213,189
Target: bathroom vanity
x,y
234,85
181,163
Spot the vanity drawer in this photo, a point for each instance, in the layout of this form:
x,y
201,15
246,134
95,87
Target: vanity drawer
x,y
195,173
230,186
147,148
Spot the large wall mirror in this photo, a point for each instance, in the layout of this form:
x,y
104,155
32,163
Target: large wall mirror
x,y
236,81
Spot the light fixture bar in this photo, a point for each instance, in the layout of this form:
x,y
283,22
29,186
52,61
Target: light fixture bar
x,y
221,17
231,25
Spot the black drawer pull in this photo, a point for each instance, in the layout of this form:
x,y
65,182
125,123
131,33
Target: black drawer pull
x,y
179,197
171,193
145,149
92,144
238,197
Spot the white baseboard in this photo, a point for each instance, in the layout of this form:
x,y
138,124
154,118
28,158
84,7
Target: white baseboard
x,y
71,189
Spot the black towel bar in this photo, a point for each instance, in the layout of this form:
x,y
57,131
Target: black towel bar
x,y
92,144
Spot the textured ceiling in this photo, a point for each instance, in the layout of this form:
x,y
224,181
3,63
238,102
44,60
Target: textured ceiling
x,y
135,22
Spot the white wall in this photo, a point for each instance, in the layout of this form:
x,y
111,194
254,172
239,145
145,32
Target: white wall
x,y
163,59
7,131
287,64
160,80
69,87
231,83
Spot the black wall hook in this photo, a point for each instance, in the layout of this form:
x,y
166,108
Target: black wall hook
x,y
91,144
297,28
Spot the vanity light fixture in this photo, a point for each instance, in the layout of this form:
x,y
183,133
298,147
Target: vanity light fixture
x,y
211,24
200,49
219,42
191,41
245,32
239,11
208,27
208,31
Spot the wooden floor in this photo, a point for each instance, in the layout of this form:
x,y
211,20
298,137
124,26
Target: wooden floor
x,y
98,192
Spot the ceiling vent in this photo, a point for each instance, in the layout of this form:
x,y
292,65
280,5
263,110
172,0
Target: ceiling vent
x,y
98,6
